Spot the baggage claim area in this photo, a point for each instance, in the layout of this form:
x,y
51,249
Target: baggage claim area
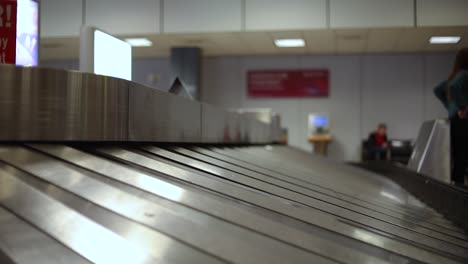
x,y
111,152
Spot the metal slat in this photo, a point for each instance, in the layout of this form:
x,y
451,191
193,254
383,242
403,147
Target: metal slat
x,y
320,205
295,210
304,188
162,247
83,236
330,169
23,243
215,205
190,226
327,191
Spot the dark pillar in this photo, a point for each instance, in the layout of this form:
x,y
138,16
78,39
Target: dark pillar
x,y
185,65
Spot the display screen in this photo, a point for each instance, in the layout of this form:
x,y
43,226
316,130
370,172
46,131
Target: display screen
x,y
320,121
27,33
112,56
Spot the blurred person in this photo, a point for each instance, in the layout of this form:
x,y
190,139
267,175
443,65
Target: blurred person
x,y
378,143
453,93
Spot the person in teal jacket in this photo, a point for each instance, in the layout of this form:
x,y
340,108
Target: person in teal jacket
x,y
453,93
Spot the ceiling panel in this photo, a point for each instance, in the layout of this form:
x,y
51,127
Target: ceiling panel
x,y
371,13
276,14
258,42
442,13
322,41
383,40
182,16
351,41
414,39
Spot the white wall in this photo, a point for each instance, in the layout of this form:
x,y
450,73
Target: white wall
x,y
364,91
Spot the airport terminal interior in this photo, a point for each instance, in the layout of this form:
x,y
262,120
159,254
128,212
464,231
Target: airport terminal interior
x,y
233,131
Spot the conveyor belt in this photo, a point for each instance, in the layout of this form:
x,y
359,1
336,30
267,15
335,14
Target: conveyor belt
x,y
90,203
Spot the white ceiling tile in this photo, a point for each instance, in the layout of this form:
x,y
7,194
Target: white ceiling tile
x,y
182,16
442,13
280,14
371,13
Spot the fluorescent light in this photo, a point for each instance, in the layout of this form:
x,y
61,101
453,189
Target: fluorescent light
x,y
139,42
444,40
289,43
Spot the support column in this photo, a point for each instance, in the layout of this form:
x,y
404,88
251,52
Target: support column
x,y
185,65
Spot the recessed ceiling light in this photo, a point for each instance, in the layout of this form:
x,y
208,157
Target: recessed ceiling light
x,y
444,40
289,43
139,42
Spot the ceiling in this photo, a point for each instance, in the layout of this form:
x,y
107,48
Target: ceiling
x,y
346,41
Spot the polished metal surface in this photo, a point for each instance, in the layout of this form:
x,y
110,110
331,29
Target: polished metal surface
x,y
38,104
432,152
141,203
158,116
424,239
52,105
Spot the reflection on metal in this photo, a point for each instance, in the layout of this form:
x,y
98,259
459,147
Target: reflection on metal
x,y
147,204
431,154
39,104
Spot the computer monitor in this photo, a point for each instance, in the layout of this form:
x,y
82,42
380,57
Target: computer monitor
x,y
102,53
319,123
27,33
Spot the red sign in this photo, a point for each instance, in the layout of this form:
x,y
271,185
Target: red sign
x,y
287,83
8,31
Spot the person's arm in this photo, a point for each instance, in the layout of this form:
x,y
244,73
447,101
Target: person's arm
x,y
440,92
459,90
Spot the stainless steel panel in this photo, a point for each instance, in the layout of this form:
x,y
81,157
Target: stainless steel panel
x,y
326,194
161,246
346,211
162,117
38,104
270,204
316,217
92,241
185,224
51,105
354,182
23,243
304,237
214,125
432,152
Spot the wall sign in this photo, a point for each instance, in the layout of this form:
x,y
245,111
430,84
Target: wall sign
x,y
8,31
287,83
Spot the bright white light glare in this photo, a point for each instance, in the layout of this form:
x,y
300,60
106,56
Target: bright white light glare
x,y
139,42
112,56
444,40
391,196
367,237
289,43
161,188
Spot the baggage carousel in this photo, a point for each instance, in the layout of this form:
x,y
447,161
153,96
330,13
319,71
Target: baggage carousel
x,y
224,198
